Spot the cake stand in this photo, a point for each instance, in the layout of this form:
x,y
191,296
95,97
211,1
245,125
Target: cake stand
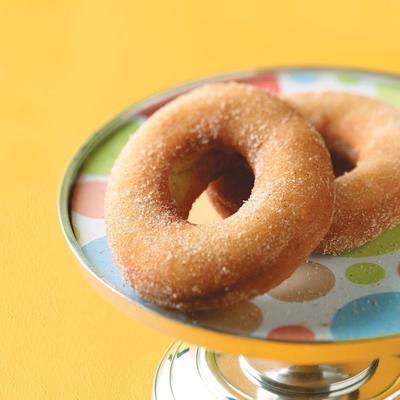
x,y
331,331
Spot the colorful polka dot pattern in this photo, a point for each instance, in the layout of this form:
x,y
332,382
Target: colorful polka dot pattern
x,y
387,242
304,77
365,273
269,82
389,93
88,199
99,255
310,281
370,316
348,79
288,332
352,296
99,162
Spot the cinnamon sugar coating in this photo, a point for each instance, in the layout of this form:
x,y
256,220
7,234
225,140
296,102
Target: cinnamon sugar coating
x,y
172,158
366,133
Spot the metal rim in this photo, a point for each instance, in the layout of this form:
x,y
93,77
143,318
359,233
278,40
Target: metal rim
x,y
101,134
203,372
343,386
171,349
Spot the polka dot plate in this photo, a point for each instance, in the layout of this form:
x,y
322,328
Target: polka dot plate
x,y
354,296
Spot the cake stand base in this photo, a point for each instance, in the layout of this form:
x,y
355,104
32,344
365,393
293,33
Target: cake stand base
x,y
190,372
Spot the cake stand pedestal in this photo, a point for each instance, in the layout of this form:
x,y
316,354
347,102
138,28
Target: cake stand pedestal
x,y
190,372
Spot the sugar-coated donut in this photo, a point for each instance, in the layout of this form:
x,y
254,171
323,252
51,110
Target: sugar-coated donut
x,y
361,132
172,158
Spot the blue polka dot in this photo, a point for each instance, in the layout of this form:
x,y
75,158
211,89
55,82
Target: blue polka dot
x,y
304,77
368,317
102,265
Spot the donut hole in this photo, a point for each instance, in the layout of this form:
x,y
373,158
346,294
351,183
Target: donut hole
x,y
192,176
202,211
235,182
341,163
344,156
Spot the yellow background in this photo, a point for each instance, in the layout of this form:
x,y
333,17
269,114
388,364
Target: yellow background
x,y
66,67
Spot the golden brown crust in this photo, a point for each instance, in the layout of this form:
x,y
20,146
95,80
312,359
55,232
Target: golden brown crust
x,y
174,156
366,132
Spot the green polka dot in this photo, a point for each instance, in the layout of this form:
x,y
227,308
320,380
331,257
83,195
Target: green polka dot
x,y
348,79
389,92
365,273
102,158
387,242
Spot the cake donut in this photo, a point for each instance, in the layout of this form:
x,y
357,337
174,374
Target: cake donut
x,y
172,158
363,136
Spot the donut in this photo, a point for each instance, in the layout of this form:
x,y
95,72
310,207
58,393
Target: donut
x,y
170,161
363,136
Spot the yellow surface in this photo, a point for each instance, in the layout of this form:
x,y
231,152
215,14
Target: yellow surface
x,y
66,67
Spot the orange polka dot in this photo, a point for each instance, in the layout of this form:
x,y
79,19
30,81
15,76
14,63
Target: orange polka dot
x,y
292,333
88,199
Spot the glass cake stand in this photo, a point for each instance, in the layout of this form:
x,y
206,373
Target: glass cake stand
x,y
332,330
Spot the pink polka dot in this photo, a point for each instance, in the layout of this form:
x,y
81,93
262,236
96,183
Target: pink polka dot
x,y
88,199
292,333
147,112
269,82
